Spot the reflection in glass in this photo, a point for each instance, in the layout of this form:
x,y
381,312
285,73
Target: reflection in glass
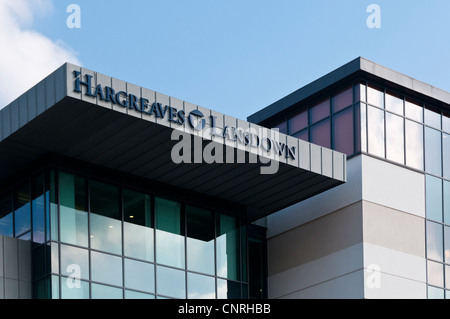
x,y
432,117
105,217
38,208
6,215
321,134
282,127
360,92
447,246
320,111
130,294
227,248
200,240
361,114
302,135
138,228
375,96
73,210
169,233
342,99
22,209
433,198
435,244
75,262
228,289
447,202
343,131
171,282
51,196
414,144
106,268
201,287
139,275
375,120
394,103
447,280
435,273
433,155
446,122
446,155
299,121
79,291
435,293
106,292
413,110
394,138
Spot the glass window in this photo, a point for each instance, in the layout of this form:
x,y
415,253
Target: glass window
x,y
227,289
320,111
447,202
435,244
446,155
413,110
343,131
433,117
106,292
360,92
200,240
375,96
414,144
201,287
447,245
171,282
433,154
79,291
394,103
375,120
169,233
227,247
299,121
342,99
435,273
139,275
52,203
38,208
6,215
446,122
447,279
138,226
22,209
106,268
129,294
73,209
321,134
282,127
434,198
435,293
74,262
302,135
361,113
105,217
394,138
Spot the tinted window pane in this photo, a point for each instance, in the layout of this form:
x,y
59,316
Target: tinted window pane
x,y
360,92
435,236
447,202
227,247
375,120
302,135
414,145
282,127
6,215
138,231
169,233
447,246
22,209
201,287
200,240
171,282
361,113
106,268
434,198
413,110
320,110
394,103
299,121
394,138
433,117
321,134
129,294
228,289
435,293
435,273
74,218
375,96
38,208
342,99
80,291
74,262
446,122
139,275
433,160
343,131
104,199
106,292
446,155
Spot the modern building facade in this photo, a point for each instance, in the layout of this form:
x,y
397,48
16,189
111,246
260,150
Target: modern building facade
x,y
338,190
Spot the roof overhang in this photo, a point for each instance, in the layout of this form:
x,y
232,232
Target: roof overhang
x,y
87,116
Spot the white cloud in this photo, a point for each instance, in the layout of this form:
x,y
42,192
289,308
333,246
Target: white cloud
x,y
26,56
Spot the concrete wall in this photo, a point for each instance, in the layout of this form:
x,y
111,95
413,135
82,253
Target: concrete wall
x,y
15,269
363,239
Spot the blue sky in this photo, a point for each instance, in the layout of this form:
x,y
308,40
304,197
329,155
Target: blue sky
x,y
237,57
